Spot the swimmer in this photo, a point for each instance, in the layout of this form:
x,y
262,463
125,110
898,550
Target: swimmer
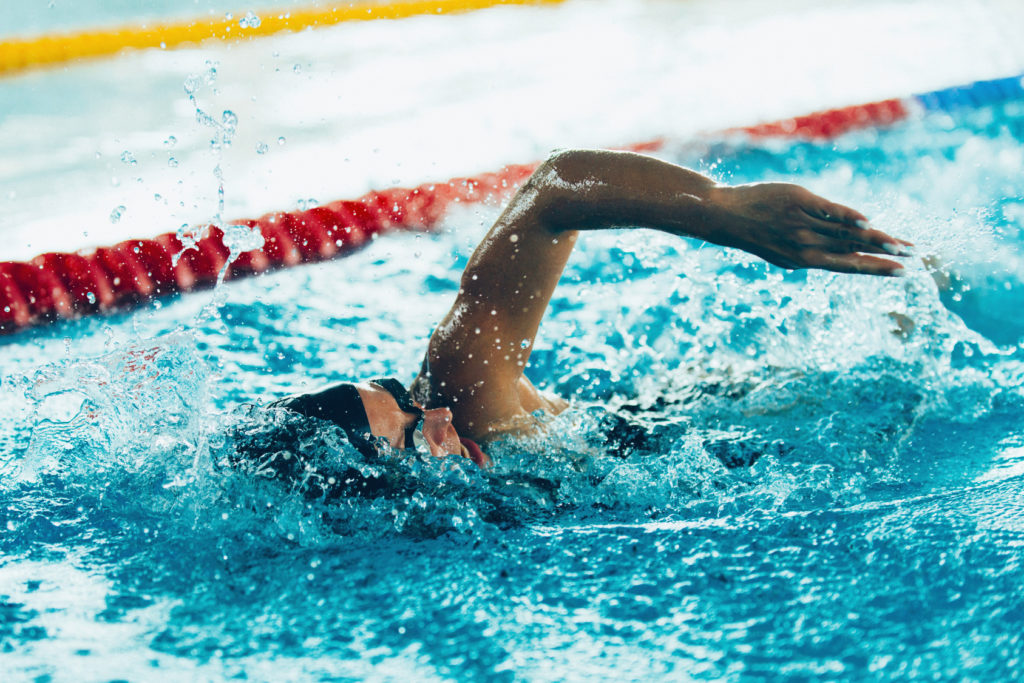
x,y
471,387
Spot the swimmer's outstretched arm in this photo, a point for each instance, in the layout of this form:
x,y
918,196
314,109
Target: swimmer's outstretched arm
x,y
476,355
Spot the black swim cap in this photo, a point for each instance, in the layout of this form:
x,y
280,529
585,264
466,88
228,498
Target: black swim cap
x,y
342,405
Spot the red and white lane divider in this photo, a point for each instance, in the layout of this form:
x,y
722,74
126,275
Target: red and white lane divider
x,y
67,285
56,286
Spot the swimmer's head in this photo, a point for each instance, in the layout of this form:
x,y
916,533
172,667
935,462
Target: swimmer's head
x,y
403,423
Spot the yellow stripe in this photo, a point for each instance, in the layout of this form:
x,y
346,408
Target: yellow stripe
x,y
23,53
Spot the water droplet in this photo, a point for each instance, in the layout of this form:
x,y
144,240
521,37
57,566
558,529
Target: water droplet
x,y
262,147
250,20
172,162
525,344
128,158
116,214
229,118
171,141
91,297
281,140
297,68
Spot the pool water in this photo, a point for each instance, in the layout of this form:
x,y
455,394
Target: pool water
x,y
869,524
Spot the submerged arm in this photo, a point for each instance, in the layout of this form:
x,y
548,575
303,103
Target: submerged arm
x,y
476,355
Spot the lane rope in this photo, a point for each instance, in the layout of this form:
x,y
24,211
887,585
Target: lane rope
x,y
19,54
56,286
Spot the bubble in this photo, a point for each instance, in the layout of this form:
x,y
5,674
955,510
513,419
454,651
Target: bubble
x,y
172,162
171,141
297,68
128,158
229,118
281,140
525,344
262,147
116,214
91,297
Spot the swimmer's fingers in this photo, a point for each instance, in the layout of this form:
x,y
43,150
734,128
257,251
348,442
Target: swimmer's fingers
x,y
865,264
823,210
861,234
843,243
843,223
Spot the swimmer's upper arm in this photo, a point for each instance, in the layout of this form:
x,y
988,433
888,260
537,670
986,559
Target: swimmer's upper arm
x,y
478,352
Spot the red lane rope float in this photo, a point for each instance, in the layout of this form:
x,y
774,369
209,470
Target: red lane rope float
x,y
53,286
832,123
56,286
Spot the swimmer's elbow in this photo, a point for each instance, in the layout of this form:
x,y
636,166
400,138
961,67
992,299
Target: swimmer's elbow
x,y
555,175
555,190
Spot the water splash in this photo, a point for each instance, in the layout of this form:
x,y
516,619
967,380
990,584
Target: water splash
x,y
237,238
756,461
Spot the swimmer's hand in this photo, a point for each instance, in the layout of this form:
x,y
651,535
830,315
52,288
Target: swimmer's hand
x,y
792,227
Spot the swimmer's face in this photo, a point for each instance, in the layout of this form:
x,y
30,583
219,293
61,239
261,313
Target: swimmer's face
x,y
387,419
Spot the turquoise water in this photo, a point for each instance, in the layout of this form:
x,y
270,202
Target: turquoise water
x,y
870,525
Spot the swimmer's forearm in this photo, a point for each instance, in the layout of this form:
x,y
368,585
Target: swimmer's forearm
x,y
784,224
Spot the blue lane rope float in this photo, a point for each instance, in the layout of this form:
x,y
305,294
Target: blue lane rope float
x,y
979,93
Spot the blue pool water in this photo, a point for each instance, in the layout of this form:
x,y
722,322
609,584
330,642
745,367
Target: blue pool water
x,y
872,526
